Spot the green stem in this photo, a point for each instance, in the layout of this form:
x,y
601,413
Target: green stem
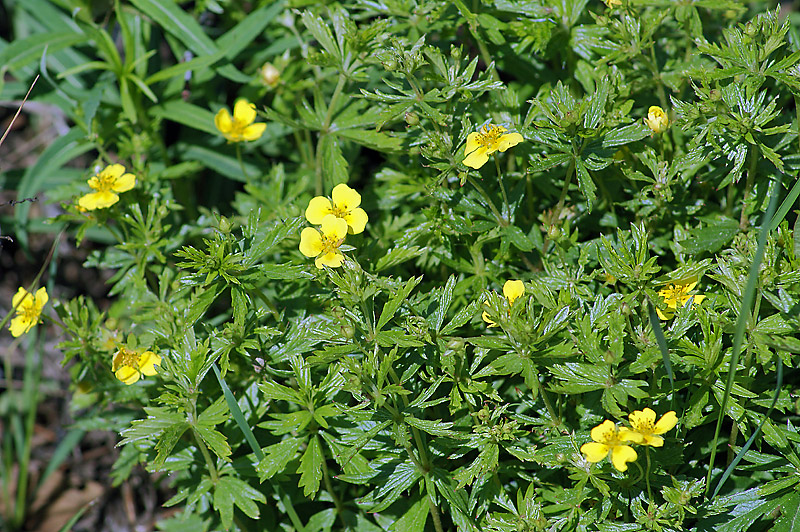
x,y
337,92
662,95
212,469
503,188
751,173
241,161
329,488
564,190
500,220
647,477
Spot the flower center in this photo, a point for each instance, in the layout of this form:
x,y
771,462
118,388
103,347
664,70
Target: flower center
x,y
643,426
330,245
489,135
128,358
28,311
610,437
674,294
105,182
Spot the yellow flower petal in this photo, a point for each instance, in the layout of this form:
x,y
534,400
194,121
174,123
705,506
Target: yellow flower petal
x,y
477,158
310,242
254,131
487,319
472,142
627,435
21,295
244,112
318,208
19,326
98,200
127,374
512,290
223,121
345,198
603,431
334,228
594,452
509,140
113,171
621,455
124,183
332,259
644,416
666,423
148,362
357,220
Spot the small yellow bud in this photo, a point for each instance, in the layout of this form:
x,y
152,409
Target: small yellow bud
x,y
656,119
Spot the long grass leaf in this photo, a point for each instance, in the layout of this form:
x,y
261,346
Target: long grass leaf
x,y
744,317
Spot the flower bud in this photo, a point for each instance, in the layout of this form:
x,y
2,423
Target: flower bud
x,y
411,118
270,75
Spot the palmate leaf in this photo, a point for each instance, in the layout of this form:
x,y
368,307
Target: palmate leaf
x,y
230,491
390,486
276,457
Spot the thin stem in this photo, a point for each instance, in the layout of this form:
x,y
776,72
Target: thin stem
x,y
329,487
662,95
241,161
212,469
751,174
500,220
647,477
564,189
503,188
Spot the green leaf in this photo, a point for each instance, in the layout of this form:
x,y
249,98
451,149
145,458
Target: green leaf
x,y
546,161
585,183
322,34
187,114
25,51
414,519
711,237
311,468
230,491
215,440
334,165
246,31
391,307
518,238
434,427
276,457
625,135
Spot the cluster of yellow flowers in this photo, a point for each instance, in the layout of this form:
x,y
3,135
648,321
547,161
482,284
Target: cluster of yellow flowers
x,y
512,290
337,216
613,440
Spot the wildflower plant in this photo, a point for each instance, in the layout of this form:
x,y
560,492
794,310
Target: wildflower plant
x,y
639,147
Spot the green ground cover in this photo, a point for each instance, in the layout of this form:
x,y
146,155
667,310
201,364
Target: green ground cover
x,y
419,266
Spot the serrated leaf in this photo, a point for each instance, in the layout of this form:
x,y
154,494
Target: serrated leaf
x,y
215,440
276,458
414,519
310,468
230,491
434,427
335,167
391,307
585,183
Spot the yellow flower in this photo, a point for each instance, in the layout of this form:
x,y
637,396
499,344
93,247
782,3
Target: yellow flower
x,y
107,183
29,308
345,205
610,439
612,3
270,75
481,144
129,366
644,422
656,119
677,295
239,127
324,244
512,290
